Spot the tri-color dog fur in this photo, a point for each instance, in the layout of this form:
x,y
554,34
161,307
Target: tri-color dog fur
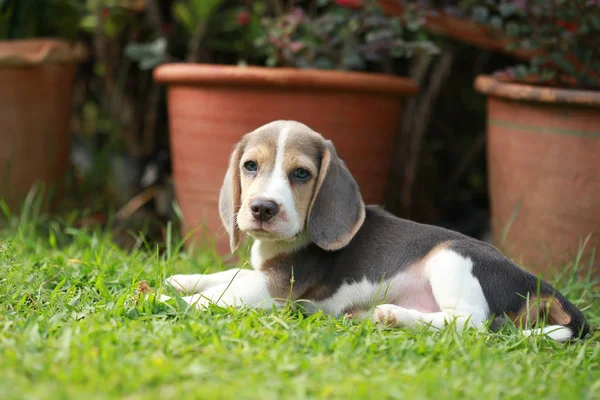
x,y
287,188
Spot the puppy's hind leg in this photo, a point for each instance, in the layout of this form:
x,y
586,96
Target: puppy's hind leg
x,y
395,316
456,291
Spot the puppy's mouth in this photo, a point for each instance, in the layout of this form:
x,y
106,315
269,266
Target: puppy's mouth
x,y
267,231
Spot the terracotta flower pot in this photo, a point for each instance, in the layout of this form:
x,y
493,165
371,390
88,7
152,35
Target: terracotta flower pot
x,y
544,171
36,77
212,106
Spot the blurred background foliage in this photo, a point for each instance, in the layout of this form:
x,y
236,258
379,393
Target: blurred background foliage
x,y
120,128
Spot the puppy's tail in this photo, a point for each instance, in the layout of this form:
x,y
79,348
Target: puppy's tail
x,y
556,332
564,320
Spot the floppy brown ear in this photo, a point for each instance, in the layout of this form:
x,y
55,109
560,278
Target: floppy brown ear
x,y
230,199
337,210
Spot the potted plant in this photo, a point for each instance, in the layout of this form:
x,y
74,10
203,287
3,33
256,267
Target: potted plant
x,y
450,19
311,55
36,74
544,130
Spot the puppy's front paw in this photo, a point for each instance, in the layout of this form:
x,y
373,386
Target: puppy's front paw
x,y
186,283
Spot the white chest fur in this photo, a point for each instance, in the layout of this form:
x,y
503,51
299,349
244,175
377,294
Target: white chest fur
x,y
264,250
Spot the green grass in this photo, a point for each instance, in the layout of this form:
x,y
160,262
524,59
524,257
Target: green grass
x,y
70,327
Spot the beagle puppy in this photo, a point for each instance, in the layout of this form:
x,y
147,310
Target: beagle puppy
x,y
317,244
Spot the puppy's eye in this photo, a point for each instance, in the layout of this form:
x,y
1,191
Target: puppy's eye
x,y
301,174
251,166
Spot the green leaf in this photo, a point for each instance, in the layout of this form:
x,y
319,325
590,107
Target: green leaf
x,y
148,55
548,74
88,23
182,14
539,60
99,286
480,14
203,9
353,61
5,210
521,71
564,64
271,61
584,29
507,9
226,21
375,36
512,29
496,22
132,313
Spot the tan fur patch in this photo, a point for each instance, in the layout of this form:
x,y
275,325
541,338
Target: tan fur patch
x,y
557,314
307,158
433,252
261,148
537,309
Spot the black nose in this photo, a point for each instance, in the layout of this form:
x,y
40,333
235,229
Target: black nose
x,y
264,210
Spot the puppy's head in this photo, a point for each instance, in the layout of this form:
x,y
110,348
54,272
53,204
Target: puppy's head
x,y
284,180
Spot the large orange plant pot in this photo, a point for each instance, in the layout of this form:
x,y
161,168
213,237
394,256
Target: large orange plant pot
x,y
36,78
544,171
212,106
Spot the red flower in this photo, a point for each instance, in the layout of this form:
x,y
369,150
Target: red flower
x,y
570,26
243,18
105,12
165,28
354,4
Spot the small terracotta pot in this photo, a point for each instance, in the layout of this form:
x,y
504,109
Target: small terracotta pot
x,y
544,171
212,106
36,77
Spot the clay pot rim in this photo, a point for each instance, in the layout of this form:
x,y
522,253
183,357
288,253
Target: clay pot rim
x,y
230,75
24,52
493,86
